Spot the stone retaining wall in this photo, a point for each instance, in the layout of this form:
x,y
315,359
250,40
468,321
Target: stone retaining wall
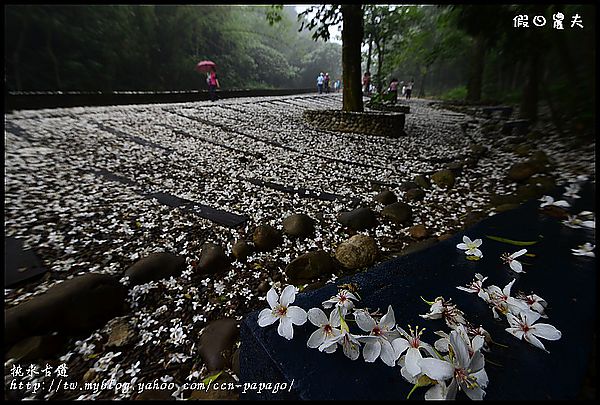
x,y
371,123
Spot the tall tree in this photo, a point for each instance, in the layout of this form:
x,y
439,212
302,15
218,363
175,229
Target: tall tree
x,y
351,16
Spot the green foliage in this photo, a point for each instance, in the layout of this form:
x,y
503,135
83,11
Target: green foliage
x,y
156,47
456,94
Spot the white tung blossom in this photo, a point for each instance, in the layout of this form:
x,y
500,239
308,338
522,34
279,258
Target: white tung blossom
x,y
381,334
584,250
341,300
280,310
522,327
328,328
471,248
547,201
515,265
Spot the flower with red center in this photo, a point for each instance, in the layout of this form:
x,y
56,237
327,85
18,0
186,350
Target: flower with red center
x,y
328,328
282,311
342,300
522,327
381,334
411,344
515,265
466,371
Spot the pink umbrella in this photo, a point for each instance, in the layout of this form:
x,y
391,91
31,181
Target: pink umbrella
x,y
205,66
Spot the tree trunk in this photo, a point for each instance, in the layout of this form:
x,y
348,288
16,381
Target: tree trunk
x,y
529,100
422,87
369,54
352,35
476,71
379,62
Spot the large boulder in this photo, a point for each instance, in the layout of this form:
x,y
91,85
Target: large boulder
x,y
444,178
386,197
79,305
299,225
216,344
154,267
37,348
212,259
398,212
309,266
266,238
357,252
358,219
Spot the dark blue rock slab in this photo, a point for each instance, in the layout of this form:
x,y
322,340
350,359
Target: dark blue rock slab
x,y
566,281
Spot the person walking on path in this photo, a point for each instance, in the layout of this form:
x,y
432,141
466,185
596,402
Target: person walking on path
x,y
326,83
367,83
393,89
320,81
213,84
409,87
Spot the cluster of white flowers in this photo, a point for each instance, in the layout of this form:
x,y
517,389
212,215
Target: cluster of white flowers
x,y
461,368
585,219
521,311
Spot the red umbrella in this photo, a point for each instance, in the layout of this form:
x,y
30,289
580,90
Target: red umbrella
x,y
205,66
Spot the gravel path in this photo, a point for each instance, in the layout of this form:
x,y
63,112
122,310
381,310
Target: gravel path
x,y
220,155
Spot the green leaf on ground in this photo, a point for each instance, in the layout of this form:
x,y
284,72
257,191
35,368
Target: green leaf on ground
x,y
211,378
473,258
512,242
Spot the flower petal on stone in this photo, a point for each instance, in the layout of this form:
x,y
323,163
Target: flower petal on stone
x,y
288,295
517,332
334,318
413,356
516,266
477,362
546,331
519,253
285,328
475,394
316,339
350,349
364,321
477,242
371,350
467,240
400,345
388,321
266,317
387,352
437,392
529,316
462,246
436,369
460,349
534,341
317,317
297,315
272,298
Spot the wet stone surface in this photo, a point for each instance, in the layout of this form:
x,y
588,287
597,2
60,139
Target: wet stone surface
x,y
567,282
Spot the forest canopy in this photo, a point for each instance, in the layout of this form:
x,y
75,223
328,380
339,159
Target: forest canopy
x,y
156,47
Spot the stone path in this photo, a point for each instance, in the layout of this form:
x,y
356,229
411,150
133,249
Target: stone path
x,y
251,158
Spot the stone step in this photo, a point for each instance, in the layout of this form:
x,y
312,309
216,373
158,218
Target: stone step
x,y
566,281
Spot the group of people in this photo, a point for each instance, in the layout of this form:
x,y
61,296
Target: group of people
x,y
392,88
324,83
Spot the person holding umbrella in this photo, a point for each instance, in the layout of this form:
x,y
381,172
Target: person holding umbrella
x,y
213,82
